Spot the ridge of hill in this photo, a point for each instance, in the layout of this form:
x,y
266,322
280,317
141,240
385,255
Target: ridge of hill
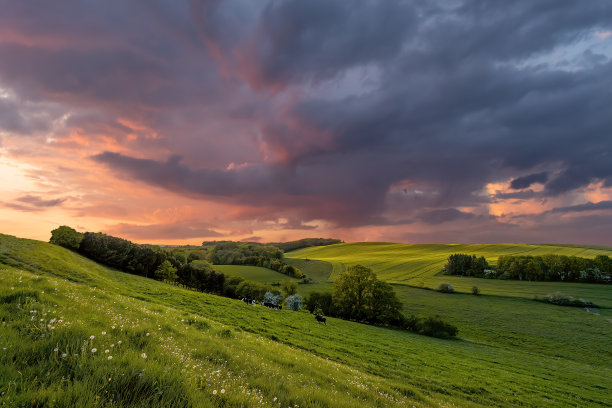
x,y
171,346
409,263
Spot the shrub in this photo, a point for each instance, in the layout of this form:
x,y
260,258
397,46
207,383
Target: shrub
x,y
270,297
560,299
294,302
445,287
430,326
475,291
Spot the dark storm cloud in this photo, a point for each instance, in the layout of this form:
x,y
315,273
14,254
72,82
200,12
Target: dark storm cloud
x,y
317,39
526,181
344,99
602,205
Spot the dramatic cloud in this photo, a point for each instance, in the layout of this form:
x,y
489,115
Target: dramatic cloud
x,y
526,181
391,120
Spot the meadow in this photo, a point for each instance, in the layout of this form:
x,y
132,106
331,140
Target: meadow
x,y
176,347
404,263
255,273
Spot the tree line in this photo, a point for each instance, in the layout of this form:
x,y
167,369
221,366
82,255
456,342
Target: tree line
x,y
533,268
238,253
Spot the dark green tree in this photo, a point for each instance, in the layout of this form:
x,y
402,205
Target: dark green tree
x,y
66,237
166,272
359,295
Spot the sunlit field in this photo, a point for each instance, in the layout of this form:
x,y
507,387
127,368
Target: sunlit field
x,y
402,263
64,317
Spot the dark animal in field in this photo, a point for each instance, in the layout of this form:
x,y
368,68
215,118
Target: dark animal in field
x,y
321,319
248,301
269,305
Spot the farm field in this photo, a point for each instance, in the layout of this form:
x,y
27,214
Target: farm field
x,y
403,263
205,350
256,273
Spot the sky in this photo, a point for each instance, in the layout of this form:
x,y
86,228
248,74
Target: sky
x,y
455,121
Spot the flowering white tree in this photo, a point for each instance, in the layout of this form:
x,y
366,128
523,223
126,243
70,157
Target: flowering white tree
x,y
294,302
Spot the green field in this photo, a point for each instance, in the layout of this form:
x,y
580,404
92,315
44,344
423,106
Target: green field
x,y
512,351
402,263
256,273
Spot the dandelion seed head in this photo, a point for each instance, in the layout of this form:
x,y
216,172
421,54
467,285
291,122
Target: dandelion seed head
x,y
214,392
93,350
107,351
110,357
63,355
92,337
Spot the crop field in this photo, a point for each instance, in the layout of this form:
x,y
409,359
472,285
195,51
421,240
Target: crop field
x,y
402,263
63,316
255,273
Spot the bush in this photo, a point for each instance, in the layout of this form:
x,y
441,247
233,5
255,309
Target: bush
x,y
475,291
275,299
294,302
560,299
430,326
445,287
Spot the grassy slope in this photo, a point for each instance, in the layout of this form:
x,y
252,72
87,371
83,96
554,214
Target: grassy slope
x,y
255,273
258,354
402,263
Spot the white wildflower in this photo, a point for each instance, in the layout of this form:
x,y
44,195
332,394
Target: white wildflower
x,y
93,350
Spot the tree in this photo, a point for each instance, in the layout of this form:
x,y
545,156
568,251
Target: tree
x,y
294,302
321,301
66,237
359,295
165,271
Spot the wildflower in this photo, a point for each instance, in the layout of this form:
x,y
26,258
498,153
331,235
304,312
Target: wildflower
x,y
55,349
107,351
93,350
214,392
148,334
103,333
143,355
112,327
274,399
222,390
110,357
63,355
119,343
92,337
112,345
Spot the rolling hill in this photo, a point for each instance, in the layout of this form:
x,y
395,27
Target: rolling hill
x,y
404,263
63,317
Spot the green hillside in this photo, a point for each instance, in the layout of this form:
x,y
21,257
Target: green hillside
x,y
256,273
402,263
176,347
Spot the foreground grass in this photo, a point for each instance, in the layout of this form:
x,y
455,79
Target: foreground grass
x,y
402,263
200,343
